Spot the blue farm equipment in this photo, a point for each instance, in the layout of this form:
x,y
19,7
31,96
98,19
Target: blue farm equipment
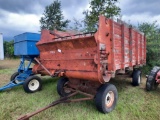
x,y
24,46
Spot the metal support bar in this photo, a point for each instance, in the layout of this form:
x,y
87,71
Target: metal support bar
x,y
22,66
43,66
30,61
10,85
61,100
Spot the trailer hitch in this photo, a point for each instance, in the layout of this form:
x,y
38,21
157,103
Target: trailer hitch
x,y
61,100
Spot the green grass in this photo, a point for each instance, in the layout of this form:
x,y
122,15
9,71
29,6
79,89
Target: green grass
x,y
134,103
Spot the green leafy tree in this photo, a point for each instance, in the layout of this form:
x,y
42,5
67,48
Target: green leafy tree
x,y
9,49
149,29
53,18
77,26
152,33
108,8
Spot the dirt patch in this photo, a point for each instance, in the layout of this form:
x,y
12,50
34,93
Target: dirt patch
x,y
7,63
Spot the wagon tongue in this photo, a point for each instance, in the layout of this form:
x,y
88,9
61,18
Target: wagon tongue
x,y
66,99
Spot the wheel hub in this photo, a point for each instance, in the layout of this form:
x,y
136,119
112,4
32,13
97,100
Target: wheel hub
x,y
33,85
66,89
139,79
109,99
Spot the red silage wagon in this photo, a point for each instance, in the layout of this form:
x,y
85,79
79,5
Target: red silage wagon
x,y
87,62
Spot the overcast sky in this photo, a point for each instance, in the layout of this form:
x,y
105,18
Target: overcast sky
x,y
18,16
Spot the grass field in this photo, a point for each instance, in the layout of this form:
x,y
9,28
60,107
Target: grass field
x,y
134,103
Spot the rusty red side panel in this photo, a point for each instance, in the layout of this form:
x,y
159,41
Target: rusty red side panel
x,y
96,56
128,47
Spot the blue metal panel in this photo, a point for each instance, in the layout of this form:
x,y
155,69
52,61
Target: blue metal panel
x,y
27,36
20,48
32,48
25,44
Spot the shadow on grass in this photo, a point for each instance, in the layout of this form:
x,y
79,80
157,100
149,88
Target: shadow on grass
x,y
154,92
121,83
48,80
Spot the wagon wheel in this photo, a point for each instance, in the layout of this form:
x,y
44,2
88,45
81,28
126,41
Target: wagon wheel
x,y
151,82
62,82
106,98
32,84
14,75
136,77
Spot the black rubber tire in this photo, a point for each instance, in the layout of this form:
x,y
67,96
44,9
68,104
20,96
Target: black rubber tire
x,y
60,87
151,82
100,98
136,78
14,75
28,82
